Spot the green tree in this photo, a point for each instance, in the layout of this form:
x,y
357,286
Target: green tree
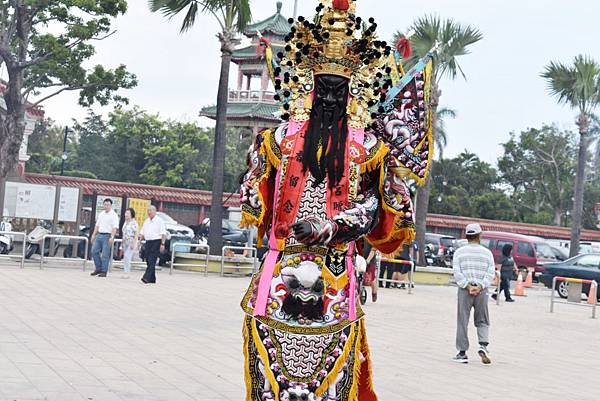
x,y
468,186
46,147
44,46
578,86
94,153
538,165
176,160
130,133
454,41
590,200
233,16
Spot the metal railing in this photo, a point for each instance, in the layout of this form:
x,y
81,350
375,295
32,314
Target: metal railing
x,y
58,236
576,290
20,234
251,96
236,261
411,273
195,246
120,262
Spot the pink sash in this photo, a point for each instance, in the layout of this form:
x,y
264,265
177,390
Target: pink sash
x,y
264,285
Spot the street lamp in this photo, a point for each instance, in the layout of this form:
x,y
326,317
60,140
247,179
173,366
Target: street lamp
x,y
64,156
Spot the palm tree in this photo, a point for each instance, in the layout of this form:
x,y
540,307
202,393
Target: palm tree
x,y
233,16
454,40
578,86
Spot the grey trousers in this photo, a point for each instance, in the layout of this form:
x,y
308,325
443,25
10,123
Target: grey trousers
x,y
482,318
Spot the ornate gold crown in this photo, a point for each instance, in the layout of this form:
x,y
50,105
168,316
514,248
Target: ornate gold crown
x,y
336,42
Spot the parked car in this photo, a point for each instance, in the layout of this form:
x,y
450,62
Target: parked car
x,y
586,267
559,253
528,252
442,248
174,228
232,234
175,233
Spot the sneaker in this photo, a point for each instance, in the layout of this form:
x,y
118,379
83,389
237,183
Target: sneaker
x,y
402,286
101,275
461,358
510,300
484,354
95,273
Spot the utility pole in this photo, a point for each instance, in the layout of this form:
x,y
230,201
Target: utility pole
x,y
64,154
295,8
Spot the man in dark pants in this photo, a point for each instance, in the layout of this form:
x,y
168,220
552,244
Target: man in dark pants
x,y
154,233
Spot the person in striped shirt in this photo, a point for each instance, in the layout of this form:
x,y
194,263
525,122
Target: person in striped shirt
x,y
474,267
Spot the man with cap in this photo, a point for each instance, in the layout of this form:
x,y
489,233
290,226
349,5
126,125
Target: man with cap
x,y
473,266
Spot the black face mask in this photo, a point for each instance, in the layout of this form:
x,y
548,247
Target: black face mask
x,y
327,130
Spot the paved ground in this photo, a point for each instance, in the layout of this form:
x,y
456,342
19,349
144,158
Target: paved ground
x,y
67,336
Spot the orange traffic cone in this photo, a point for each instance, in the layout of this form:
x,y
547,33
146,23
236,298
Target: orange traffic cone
x,y
592,295
520,288
529,279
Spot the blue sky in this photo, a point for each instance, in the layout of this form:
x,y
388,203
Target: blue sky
x,y
503,91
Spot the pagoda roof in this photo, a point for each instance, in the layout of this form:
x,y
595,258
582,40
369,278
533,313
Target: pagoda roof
x,y
276,23
240,110
249,52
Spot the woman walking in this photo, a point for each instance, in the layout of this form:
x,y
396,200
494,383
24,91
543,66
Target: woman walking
x,y
507,267
129,244
373,258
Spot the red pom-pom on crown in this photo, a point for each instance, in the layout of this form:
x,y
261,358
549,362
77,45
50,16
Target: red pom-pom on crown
x,y
342,5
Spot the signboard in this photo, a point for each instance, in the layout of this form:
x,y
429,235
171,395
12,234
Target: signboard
x,y
67,206
29,201
140,206
117,202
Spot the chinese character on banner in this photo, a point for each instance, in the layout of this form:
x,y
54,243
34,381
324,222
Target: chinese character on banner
x,y
141,209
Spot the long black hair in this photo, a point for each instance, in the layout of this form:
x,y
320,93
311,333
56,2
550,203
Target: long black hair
x,y
328,132
507,249
332,140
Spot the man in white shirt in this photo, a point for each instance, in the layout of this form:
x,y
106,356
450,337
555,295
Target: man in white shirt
x,y
474,268
154,233
105,230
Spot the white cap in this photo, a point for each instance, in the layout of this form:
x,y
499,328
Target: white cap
x,y
473,229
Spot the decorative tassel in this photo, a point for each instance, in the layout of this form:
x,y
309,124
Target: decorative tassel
x,y
351,344
354,106
308,102
341,5
404,47
264,356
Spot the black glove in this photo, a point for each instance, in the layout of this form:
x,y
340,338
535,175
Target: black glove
x,y
303,231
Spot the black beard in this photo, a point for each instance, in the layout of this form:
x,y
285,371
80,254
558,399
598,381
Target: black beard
x,y
297,309
325,128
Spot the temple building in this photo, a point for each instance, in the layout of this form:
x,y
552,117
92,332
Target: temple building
x,y
254,109
33,115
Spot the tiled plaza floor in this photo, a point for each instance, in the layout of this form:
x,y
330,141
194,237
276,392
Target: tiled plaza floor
x,y
67,336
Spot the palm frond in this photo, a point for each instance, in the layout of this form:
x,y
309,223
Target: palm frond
x,y
454,38
577,85
231,14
